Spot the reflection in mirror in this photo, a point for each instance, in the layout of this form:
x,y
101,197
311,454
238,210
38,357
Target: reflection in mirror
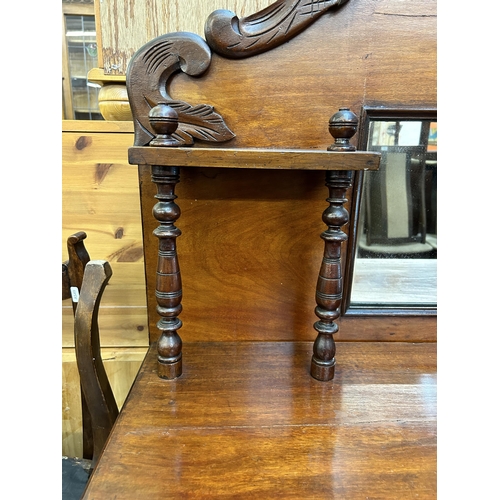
x,y
396,241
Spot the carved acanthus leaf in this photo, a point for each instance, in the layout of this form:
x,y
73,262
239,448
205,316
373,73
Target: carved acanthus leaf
x,y
200,122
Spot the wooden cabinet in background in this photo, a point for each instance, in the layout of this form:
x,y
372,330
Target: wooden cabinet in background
x,y
79,56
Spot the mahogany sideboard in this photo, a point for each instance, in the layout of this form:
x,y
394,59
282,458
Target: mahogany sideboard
x,y
207,419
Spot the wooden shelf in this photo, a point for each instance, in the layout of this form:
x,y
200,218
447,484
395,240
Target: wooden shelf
x,y
289,159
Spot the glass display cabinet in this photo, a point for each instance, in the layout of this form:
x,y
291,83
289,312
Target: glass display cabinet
x,y
80,97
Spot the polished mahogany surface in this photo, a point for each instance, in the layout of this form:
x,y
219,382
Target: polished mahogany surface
x,y
255,158
245,420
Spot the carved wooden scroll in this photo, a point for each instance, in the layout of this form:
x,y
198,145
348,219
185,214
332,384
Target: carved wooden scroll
x,y
147,77
236,38
154,64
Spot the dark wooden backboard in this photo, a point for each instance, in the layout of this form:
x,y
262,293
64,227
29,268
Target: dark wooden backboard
x,y
250,249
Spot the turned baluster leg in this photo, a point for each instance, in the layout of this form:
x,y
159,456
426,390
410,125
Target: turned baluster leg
x,y
168,277
329,286
342,126
164,120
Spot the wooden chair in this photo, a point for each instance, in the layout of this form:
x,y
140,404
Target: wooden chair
x,y
84,280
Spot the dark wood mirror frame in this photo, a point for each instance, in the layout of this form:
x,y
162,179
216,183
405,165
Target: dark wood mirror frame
x,y
367,115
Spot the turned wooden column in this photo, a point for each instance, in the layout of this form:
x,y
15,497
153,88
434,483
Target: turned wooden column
x,y
342,127
164,121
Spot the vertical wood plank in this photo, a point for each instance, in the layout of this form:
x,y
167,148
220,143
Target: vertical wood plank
x,y
128,24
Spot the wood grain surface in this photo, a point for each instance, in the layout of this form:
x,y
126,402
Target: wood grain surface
x,y
126,25
250,249
100,195
254,158
367,53
246,420
249,255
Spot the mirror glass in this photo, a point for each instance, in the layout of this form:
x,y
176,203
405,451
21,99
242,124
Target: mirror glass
x,y
396,236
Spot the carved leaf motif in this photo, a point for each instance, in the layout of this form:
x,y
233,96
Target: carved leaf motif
x,y
147,78
200,122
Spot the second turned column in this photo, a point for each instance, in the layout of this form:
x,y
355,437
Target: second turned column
x,y
342,127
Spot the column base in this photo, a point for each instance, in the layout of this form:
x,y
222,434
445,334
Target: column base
x,y
170,371
322,370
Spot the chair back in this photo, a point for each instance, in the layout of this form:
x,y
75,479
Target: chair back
x,y
84,281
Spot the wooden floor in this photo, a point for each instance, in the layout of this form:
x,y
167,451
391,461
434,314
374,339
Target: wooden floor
x,y
246,420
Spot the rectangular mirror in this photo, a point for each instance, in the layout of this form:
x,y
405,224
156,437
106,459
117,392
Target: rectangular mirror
x,y
395,238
